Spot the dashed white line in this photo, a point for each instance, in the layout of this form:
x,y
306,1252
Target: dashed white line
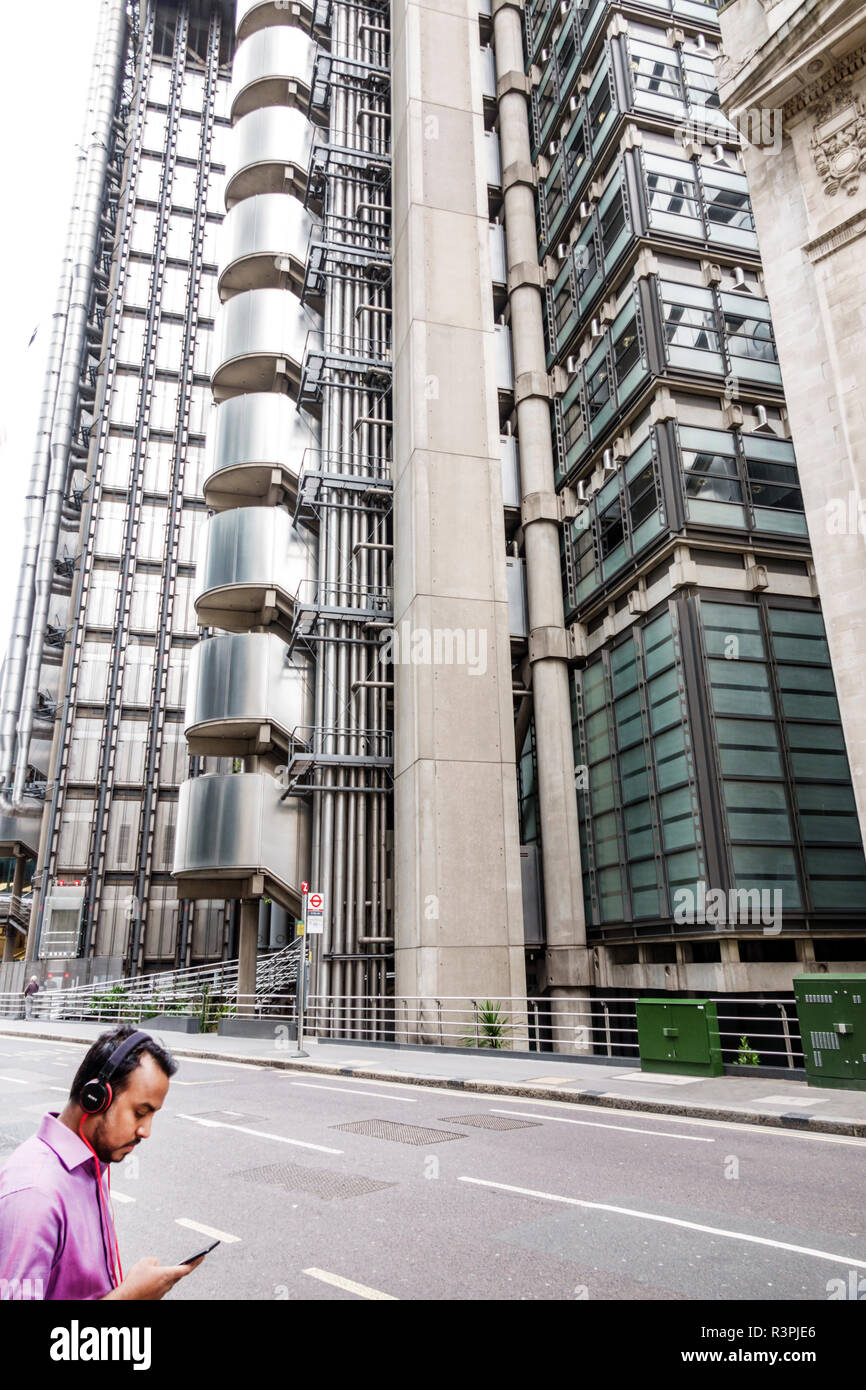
x,y
671,1221
206,1230
259,1134
350,1286
348,1091
596,1124
16,1080
120,1196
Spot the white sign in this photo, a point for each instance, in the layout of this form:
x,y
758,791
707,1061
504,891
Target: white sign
x,y
315,914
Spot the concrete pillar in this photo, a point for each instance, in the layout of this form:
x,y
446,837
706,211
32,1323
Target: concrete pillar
x,y
567,963
248,955
457,891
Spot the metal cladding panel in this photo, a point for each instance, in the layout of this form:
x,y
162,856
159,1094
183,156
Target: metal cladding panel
x,y
261,427
263,323
20,830
515,578
498,258
235,824
268,224
510,471
488,72
504,359
254,546
272,135
493,159
247,676
272,54
252,15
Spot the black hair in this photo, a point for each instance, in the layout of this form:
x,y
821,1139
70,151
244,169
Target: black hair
x,y
96,1058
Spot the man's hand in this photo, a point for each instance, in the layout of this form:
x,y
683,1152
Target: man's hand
x,y
149,1281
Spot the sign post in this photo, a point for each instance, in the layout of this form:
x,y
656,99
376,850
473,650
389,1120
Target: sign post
x,y
302,974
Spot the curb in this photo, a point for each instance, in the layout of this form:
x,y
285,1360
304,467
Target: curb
x,y
792,1119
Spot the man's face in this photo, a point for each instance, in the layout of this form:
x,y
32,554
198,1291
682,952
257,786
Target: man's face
x,y
128,1119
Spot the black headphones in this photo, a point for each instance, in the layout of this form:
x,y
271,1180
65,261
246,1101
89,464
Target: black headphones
x,y
97,1094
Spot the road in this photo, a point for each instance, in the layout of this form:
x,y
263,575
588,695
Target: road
x,y
326,1188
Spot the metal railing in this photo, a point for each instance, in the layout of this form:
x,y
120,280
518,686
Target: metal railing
x,y
181,992
585,1026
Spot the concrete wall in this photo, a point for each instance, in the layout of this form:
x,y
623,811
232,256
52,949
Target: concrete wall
x,y
457,897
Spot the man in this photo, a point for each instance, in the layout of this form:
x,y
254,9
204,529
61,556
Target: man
x,y
29,995
56,1230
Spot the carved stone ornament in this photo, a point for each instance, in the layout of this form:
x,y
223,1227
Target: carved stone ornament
x,y
839,140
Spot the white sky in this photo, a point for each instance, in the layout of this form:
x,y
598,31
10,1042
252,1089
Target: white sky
x,y
44,75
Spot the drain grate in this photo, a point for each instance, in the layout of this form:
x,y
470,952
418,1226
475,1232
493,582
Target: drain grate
x,y
489,1121
399,1134
318,1182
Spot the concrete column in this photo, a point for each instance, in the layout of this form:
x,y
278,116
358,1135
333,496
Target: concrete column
x,y
248,950
457,894
567,963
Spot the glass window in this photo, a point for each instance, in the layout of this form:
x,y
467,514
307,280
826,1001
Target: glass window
x,y
626,352
610,528
613,222
711,477
598,390
576,153
672,193
690,326
599,109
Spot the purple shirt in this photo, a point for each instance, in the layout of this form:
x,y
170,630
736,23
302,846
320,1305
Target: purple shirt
x,y
51,1224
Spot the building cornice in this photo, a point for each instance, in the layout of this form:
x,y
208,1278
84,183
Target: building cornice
x,y
811,36
847,231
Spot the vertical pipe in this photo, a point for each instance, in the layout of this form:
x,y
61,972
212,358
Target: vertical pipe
x,y
565,916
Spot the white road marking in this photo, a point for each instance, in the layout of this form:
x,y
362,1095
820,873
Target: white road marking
x,y
120,1196
347,1091
16,1080
259,1134
596,1124
672,1221
212,1081
766,1130
794,1101
212,1062
206,1230
362,1290
64,1090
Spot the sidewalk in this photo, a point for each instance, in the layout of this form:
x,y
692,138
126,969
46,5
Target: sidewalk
x,y
789,1104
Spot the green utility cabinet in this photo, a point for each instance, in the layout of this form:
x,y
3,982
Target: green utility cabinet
x,y
832,1014
679,1035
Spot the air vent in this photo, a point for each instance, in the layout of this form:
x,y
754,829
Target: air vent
x,y
740,279
573,103
585,210
763,426
553,149
719,155
607,464
595,329
571,365
581,491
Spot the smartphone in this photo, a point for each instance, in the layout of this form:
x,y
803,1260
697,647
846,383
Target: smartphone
x,y
206,1251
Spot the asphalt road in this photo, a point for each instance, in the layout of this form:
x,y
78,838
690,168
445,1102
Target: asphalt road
x,y
316,1194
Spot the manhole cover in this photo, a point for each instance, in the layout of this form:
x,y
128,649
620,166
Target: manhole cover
x,y
489,1121
399,1134
318,1182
